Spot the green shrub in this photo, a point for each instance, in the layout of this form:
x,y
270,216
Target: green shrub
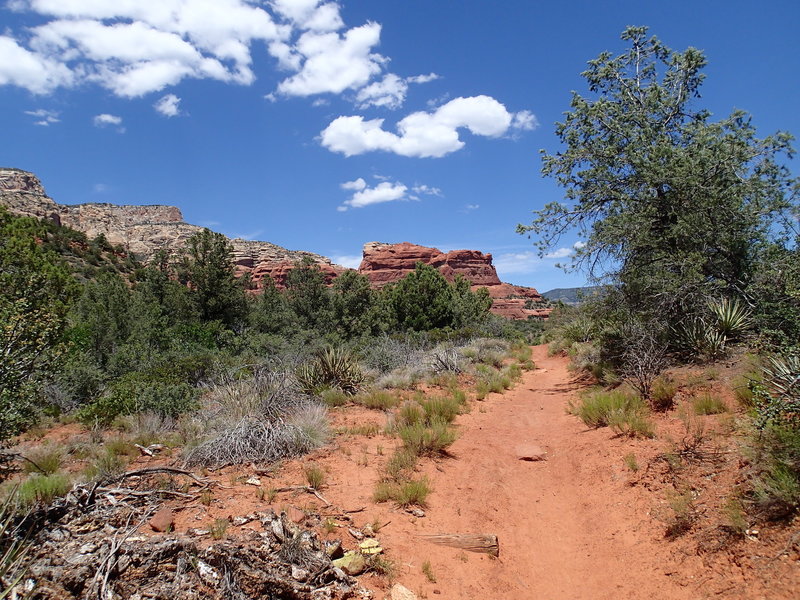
x,y
776,483
438,408
778,396
662,394
106,465
410,413
315,476
400,464
707,404
430,439
333,397
600,408
406,493
631,423
44,460
377,400
43,489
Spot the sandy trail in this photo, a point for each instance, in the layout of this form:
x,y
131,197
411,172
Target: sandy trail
x,y
568,527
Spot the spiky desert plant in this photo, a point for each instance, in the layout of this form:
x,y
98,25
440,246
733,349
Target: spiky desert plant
x,y
733,318
13,549
331,368
779,394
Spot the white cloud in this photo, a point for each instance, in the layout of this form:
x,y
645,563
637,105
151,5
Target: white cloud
x,y
351,261
133,47
45,117
427,190
579,245
389,92
468,208
26,69
385,191
560,253
516,262
168,105
100,188
332,63
525,120
356,185
104,120
420,134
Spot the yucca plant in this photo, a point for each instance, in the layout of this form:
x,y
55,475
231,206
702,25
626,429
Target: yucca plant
x,y
778,396
331,368
700,338
13,550
733,318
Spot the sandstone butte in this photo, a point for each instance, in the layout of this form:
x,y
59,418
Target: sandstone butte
x,y
143,230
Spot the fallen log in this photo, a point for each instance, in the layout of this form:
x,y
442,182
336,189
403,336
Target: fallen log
x,y
473,542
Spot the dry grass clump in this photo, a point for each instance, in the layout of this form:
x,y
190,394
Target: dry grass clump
x,y
662,393
377,400
45,460
625,413
708,404
42,489
414,492
315,476
262,420
427,439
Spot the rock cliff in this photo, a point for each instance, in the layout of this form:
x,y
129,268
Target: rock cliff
x,y
143,230
385,263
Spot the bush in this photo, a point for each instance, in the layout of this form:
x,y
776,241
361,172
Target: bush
x,y
662,394
443,409
776,482
44,460
377,400
706,404
43,489
778,397
429,439
407,493
601,408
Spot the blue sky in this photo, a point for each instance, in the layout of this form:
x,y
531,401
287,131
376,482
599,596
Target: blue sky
x,y
321,125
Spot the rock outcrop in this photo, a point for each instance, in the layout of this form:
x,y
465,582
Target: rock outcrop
x,y
385,263
143,230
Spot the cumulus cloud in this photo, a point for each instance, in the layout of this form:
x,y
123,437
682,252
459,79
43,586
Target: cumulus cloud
x,y
525,120
356,185
44,117
133,47
351,261
513,263
420,134
385,191
106,120
26,69
332,63
389,92
560,253
168,105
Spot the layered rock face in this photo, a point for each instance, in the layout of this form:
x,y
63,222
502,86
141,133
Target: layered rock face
x,y
143,230
385,263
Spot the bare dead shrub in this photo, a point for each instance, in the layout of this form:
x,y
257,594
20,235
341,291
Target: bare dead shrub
x,y
643,359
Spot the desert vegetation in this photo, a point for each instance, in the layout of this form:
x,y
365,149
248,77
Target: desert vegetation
x,y
688,228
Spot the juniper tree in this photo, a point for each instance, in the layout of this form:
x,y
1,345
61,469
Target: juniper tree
x,y
672,206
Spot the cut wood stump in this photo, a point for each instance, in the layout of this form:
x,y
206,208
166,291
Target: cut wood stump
x,y
473,542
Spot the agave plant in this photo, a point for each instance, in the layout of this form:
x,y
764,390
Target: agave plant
x,y
733,318
331,368
779,393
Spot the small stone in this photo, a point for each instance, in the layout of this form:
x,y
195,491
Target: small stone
x,y
207,573
334,549
299,574
370,546
531,452
417,512
368,531
352,563
242,520
197,531
295,515
356,534
163,520
401,592
253,481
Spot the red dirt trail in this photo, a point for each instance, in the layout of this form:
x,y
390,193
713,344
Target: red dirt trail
x,y
568,527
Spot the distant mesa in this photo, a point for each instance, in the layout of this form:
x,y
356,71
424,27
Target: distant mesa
x,y
143,230
572,296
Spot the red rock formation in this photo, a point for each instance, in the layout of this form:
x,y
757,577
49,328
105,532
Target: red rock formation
x,y
385,263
